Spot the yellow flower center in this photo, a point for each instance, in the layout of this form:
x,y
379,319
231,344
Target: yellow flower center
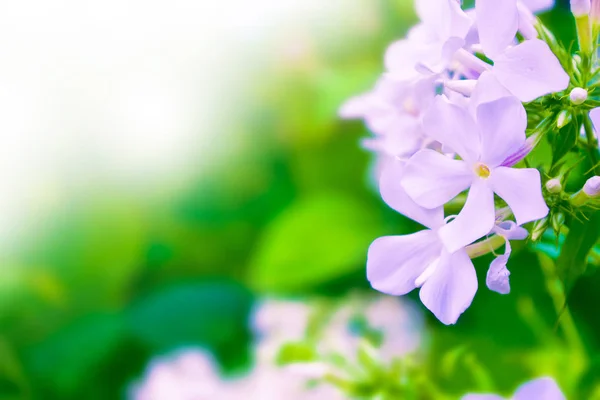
x,y
482,170
410,107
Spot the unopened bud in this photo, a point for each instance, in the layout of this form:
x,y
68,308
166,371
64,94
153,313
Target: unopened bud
x,y
592,186
580,8
590,190
595,12
558,220
539,228
564,117
554,186
578,96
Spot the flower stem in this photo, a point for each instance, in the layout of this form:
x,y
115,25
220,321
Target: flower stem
x,y
584,34
486,246
592,143
557,293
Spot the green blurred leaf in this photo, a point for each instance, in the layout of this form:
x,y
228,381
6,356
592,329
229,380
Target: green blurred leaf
x,y
13,382
296,353
210,313
68,357
565,139
572,261
316,239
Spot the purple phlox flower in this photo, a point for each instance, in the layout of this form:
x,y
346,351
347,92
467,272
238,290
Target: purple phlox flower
x,y
529,69
580,7
430,45
537,389
538,6
393,112
497,275
595,117
483,141
398,264
526,10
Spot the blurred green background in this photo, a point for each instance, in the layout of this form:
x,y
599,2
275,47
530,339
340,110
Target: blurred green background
x,y
112,277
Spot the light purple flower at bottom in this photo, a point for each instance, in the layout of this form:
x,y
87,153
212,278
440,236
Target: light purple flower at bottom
x,y
537,389
397,265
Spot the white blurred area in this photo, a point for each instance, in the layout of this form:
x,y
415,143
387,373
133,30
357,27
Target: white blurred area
x,y
129,92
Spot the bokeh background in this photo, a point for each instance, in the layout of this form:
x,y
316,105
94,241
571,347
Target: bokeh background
x,y
164,165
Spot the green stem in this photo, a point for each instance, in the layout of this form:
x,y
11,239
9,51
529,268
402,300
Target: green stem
x,y
557,293
486,246
592,143
584,34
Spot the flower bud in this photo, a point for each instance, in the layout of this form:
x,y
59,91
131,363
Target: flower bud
x,y
578,96
580,8
539,228
592,186
557,221
590,190
595,12
554,186
564,117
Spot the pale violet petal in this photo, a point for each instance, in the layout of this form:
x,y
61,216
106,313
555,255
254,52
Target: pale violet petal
x,y
454,127
451,288
530,70
497,275
541,388
511,231
488,89
432,179
396,197
521,189
445,17
400,59
395,262
595,117
497,23
502,124
475,220
355,107
538,6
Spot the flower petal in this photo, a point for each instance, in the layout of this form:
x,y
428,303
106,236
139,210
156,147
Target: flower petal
x,y
395,262
497,275
454,127
396,197
521,189
445,16
595,117
497,23
488,89
401,58
530,70
511,231
474,221
542,388
502,124
538,6
432,179
451,288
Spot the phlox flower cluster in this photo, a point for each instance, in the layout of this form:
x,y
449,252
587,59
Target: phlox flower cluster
x,y
193,374
448,119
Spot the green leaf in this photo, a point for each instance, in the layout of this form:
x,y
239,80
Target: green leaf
x,y
297,352
573,259
315,240
68,357
565,139
213,314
